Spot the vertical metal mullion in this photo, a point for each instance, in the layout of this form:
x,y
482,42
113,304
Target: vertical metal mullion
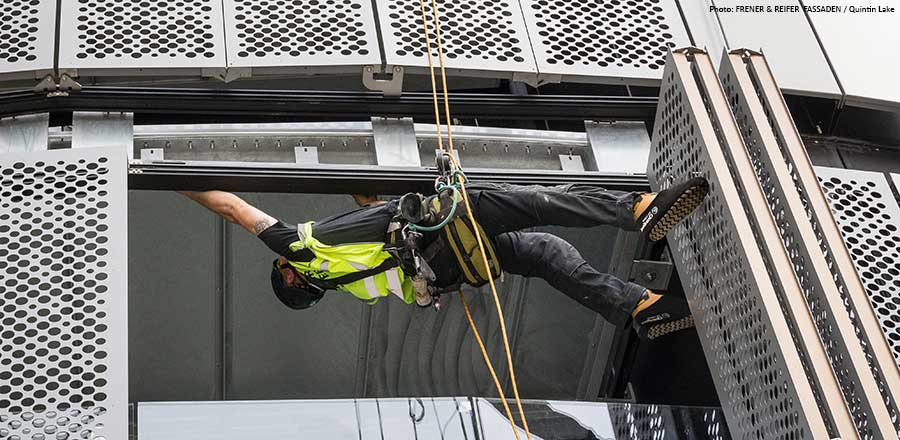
x,y
362,351
604,358
222,305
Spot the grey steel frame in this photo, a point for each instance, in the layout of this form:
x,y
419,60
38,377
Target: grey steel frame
x,y
742,73
756,364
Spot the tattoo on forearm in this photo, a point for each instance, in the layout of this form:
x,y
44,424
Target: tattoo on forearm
x,y
262,225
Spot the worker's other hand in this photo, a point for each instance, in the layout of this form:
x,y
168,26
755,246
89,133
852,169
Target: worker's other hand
x,y
366,200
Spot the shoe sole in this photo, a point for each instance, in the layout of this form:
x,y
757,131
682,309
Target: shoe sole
x,y
670,327
687,202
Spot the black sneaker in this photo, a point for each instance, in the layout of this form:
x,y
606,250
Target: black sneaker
x,y
667,315
670,207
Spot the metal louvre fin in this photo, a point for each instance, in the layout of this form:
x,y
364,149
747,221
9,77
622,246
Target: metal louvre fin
x,y
755,364
827,310
63,300
878,349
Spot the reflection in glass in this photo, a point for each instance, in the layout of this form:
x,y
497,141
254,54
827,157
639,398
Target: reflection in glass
x,y
456,418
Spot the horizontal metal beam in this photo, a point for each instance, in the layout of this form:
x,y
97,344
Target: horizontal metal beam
x,y
326,104
336,179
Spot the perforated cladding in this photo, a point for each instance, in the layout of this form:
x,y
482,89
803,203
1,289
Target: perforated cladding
x,y
58,349
301,32
868,217
485,35
744,357
137,34
824,321
654,422
26,33
628,38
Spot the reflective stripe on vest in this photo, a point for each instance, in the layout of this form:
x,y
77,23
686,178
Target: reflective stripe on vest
x,y
372,288
394,284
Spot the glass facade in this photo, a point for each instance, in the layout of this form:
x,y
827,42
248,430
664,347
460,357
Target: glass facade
x,y
444,418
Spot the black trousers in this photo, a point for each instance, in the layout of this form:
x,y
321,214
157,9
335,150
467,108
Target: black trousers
x,y
505,210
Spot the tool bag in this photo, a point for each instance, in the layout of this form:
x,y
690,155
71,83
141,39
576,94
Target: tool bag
x,y
459,234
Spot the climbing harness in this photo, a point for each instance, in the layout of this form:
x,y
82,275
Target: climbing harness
x,y
447,161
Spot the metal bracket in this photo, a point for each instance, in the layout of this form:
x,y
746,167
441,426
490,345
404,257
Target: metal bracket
x,y
571,162
61,86
152,154
229,74
654,275
617,147
395,142
689,50
536,79
306,155
389,83
745,53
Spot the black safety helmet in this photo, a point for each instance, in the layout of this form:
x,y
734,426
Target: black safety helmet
x,y
297,298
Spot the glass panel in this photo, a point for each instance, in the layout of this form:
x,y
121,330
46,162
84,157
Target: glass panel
x,y
448,418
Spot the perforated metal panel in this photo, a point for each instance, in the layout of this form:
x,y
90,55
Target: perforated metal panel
x,y
27,29
754,363
63,332
478,35
120,36
265,33
612,39
868,216
833,325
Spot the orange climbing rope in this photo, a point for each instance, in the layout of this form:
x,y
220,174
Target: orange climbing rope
x,y
512,374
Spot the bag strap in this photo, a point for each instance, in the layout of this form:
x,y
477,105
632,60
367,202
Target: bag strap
x,y
333,283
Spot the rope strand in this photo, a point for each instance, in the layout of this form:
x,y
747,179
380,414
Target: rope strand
x,y
487,361
481,248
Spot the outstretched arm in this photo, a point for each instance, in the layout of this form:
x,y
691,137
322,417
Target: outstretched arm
x,y
233,209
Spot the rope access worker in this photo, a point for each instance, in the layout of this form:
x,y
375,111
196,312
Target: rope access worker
x,y
416,247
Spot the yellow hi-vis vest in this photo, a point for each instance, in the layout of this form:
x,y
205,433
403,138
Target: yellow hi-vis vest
x,y
343,259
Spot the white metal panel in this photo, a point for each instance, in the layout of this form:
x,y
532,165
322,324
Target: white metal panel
x,y
27,30
862,47
604,40
477,35
127,37
789,44
303,33
101,130
703,26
